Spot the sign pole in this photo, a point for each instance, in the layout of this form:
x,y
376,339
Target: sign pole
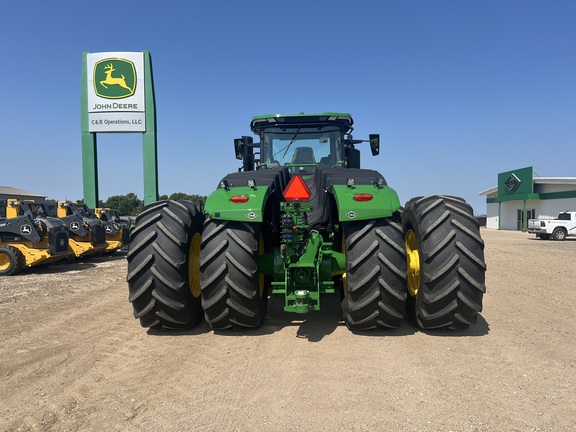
x,y
149,149
89,147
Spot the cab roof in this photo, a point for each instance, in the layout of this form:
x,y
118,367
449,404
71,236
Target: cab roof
x,y
261,122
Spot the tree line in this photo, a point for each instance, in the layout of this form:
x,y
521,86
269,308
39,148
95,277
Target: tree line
x,y
131,205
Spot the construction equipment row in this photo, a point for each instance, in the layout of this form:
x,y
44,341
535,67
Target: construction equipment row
x,y
40,233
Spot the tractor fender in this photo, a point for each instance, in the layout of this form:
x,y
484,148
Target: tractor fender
x,y
363,202
246,196
359,194
228,204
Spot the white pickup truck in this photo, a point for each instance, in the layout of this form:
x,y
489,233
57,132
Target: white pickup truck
x,y
558,228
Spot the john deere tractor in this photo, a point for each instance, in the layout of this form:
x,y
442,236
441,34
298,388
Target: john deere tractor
x,y
28,237
302,220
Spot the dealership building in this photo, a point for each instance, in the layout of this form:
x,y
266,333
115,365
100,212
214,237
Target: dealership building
x,y
520,196
12,192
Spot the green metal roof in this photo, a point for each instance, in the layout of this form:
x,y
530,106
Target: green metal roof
x,y
273,120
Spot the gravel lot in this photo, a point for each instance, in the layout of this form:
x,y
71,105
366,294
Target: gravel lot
x,y
75,359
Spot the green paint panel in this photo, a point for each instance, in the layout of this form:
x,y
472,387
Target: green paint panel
x,y
149,146
534,197
384,202
219,206
517,197
90,169
516,182
89,147
326,114
259,122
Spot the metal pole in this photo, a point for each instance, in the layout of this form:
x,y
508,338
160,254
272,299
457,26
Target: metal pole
x,y
89,146
149,149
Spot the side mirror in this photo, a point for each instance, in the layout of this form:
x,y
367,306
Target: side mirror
x,y
244,149
238,144
375,144
241,146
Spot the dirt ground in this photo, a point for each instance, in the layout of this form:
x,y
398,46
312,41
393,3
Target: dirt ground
x,y
73,358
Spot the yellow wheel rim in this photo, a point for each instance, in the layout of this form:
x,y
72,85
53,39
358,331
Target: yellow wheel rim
x,y
412,263
4,261
194,265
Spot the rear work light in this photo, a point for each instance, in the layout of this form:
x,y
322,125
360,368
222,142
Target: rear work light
x,y
296,190
362,197
239,199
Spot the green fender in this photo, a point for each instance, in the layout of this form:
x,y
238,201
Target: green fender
x,y
383,204
219,205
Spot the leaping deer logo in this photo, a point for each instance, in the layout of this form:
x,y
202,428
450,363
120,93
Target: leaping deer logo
x,y
110,80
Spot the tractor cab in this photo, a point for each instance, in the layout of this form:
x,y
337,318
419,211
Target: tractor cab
x,y
302,143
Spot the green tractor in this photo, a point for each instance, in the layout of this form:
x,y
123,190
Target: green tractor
x,y
302,220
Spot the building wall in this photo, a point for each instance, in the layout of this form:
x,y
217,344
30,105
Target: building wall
x,y
509,215
492,215
547,187
551,208
542,208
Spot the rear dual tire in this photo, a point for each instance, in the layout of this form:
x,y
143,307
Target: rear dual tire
x,y
233,291
163,265
177,268
375,281
445,262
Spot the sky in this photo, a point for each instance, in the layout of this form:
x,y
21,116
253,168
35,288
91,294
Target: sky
x,y
459,90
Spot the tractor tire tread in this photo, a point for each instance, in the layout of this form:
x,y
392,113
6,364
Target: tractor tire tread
x,y
229,277
375,274
157,276
452,273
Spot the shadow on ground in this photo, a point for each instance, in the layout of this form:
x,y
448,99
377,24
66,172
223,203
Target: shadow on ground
x,y
316,325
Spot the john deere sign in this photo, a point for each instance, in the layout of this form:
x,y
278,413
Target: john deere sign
x,y
114,78
116,100
118,96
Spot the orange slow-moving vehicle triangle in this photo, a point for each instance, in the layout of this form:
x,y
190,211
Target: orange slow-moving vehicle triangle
x,y
296,190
